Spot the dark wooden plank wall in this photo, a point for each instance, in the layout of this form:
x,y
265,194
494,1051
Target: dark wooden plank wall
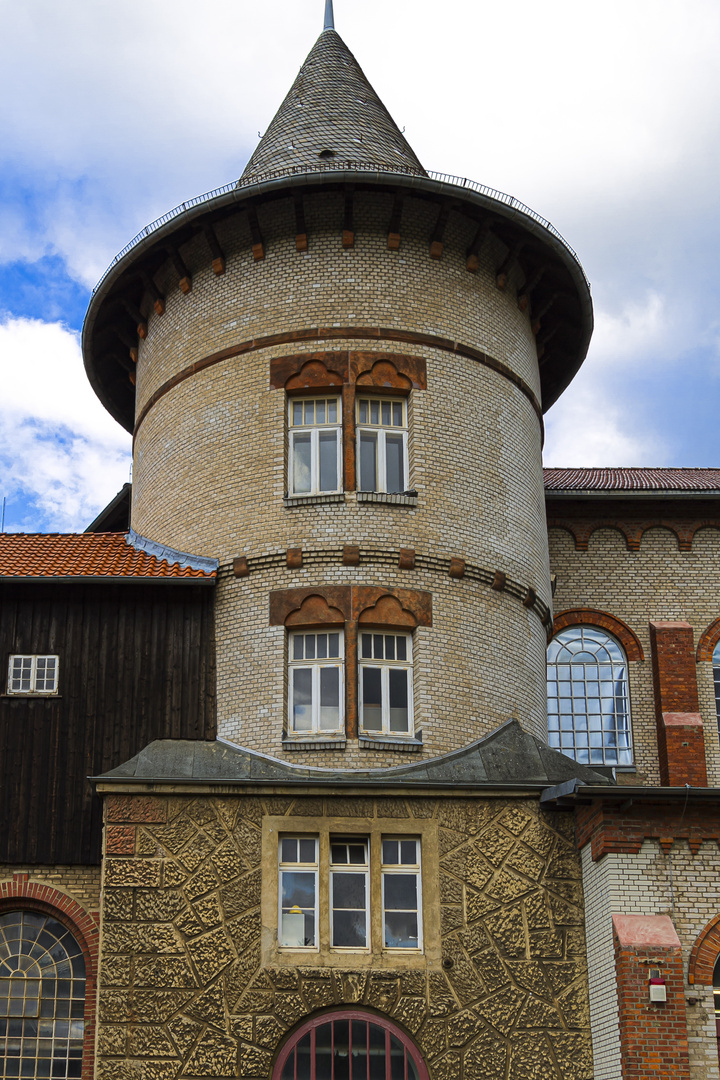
x,y
137,663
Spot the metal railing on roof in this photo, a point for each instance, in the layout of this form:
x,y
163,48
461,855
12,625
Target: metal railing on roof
x,y
325,167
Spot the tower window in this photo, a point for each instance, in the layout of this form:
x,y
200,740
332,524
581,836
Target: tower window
x,y
315,446
33,675
587,695
382,444
385,677
716,680
316,683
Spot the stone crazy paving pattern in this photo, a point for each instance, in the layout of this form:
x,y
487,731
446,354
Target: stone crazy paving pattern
x,y
183,993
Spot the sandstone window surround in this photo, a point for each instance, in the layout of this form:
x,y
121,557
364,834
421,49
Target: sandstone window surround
x,y
588,698
368,447
330,888
33,675
370,619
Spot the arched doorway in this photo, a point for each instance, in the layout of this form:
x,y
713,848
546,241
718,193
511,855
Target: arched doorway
x,y
349,1045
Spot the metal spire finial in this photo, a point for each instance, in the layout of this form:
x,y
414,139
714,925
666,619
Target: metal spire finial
x,y
329,16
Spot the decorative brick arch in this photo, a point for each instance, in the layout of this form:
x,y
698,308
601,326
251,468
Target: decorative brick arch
x,y
708,640
704,954
25,895
590,617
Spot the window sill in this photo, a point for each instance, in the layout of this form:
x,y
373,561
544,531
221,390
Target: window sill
x,y
314,744
31,697
383,742
383,497
313,500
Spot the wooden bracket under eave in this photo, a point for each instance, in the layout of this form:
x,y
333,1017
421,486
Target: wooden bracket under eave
x,y
218,258
472,259
240,566
157,297
185,282
301,240
436,240
530,597
503,273
258,248
499,581
529,287
141,327
394,227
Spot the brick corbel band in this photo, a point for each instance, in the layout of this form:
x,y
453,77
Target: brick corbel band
x,y
653,1037
681,744
21,893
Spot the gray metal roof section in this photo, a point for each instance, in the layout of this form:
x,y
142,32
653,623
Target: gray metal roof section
x,y
170,555
507,758
332,114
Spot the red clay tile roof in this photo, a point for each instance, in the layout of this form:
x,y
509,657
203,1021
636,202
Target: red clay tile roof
x,y
632,479
91,555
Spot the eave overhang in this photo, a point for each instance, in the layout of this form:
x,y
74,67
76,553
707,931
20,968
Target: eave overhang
x,y
512,222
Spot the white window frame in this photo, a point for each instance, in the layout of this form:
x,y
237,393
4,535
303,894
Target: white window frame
x,y
35,674
337,870
408,870
385,667
382,431
314,431
315,731
299,867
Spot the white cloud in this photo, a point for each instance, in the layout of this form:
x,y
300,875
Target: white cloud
x,y
59,449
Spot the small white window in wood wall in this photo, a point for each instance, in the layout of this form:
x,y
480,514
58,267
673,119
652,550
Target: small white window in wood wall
x,y
33,675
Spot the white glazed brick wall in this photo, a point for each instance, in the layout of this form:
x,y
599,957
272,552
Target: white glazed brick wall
x,y
656,583
601,967
682,885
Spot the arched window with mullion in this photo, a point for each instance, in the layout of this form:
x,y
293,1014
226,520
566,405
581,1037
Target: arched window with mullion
x,y
588,699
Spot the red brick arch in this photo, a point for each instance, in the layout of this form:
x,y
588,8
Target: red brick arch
x,y
590,617
704,954
708,640
22,894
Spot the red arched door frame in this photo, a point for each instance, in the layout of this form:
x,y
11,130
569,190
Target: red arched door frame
x,y
311,1026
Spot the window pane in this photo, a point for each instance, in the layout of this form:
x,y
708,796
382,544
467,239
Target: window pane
x,y
333,644
341,1061
397,1059
372,699
377,1053
378,646
298,889
298,641
400,892
297,412
401,930
329,460
399,713
349,930
363,412
329,699
309,412
374,412
323,1052
389,647
368,461
349,891
366,646
390,852
302,699
322,646
402,648
408,852
397,414
289,850
394,463
320,412
304,1063
301,456
309,646
386,413
359,1050
288,1072
332,411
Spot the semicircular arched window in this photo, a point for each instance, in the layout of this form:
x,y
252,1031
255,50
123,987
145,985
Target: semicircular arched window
x,y
349,1045
587,695
42,997
716,679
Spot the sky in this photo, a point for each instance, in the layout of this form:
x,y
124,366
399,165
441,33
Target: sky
x,y
603,116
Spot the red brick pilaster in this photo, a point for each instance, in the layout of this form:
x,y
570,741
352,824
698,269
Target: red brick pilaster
x,y
653,1036
681,745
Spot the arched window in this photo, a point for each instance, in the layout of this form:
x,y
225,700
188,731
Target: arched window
x,y
349,1044
588,702
716,678
42,997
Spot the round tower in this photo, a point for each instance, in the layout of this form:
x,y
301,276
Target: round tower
x,y
335,373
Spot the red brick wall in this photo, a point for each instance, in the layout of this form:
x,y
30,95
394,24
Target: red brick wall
x,y
653,1036
681,745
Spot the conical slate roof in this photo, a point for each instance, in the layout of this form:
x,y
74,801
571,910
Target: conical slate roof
x,y
331,116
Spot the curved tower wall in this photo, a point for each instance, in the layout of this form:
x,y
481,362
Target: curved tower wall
x,y
211,446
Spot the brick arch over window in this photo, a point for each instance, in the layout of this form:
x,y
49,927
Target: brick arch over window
x,y
362,1022
704,954
20,894
590,617
388,611
708,640
315,611
331,604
